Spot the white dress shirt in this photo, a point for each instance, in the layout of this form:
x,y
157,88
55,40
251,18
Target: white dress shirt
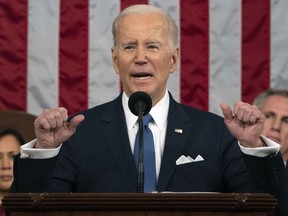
x,y
159,113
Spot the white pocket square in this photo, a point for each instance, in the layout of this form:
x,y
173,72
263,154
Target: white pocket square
x,y
183,159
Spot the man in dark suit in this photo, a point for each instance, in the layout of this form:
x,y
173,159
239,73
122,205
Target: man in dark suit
x,y
98,156
194,150
273,103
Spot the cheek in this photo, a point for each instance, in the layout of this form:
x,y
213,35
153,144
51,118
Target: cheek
x,y
285,136
267,124
266,127
266,130
163,65
123,64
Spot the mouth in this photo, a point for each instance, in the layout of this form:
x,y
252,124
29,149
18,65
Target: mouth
x,y
141,76
6,178
275,139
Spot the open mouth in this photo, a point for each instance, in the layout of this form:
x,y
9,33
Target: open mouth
x,y
141,76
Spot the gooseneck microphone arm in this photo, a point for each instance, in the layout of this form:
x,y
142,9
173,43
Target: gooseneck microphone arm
x,y
140,104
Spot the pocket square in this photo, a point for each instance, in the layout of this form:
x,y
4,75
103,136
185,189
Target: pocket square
x,y
183,159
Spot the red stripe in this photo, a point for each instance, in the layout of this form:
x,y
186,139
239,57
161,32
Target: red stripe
x,y
255,48
73,51
194,31
126,3
13,54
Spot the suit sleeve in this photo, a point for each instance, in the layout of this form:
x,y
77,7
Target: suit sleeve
x,y
32,175
269,174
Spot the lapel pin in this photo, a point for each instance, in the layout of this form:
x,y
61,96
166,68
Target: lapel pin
x,y
178,130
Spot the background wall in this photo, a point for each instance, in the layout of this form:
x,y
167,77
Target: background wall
x,y
57,52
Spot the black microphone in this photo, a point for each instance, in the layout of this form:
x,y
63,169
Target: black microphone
x,y
140,104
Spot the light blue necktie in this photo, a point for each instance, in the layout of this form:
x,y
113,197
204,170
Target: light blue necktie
x,y
150,179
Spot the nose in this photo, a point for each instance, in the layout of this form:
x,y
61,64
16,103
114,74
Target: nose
x,y
6,162
276,124
141,56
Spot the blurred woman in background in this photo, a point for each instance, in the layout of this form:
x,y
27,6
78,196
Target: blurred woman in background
x,y
10,142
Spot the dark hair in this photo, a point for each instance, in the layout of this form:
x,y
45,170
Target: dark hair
x,y
13,132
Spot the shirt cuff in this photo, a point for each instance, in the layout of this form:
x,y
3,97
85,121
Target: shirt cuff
x,y
28,151
270,148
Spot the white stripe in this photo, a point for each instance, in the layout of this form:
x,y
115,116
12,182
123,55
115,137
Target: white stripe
x,y
103,81
43,25
279,44
171,7
225,53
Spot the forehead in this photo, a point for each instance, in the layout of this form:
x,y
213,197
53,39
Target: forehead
x,y
9,143
276,103
142,26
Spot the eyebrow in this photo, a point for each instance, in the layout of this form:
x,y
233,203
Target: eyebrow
x,y
274,114
134,41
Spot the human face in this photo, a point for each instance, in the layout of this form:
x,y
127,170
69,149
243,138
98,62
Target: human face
x,y
143,56
275,109
9,147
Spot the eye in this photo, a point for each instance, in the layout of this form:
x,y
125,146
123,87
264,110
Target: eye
x,y
285,120
267,115
152,46
129,47
12,156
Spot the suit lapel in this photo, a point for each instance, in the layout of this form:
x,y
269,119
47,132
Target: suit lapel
x,y
115,132
174,143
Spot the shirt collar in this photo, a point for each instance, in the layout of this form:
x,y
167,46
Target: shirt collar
x,y
159,112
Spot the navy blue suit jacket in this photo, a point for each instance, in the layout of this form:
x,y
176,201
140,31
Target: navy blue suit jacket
x,y
98,157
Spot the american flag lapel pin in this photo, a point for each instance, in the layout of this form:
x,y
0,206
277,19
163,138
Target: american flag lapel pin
x,y
178,130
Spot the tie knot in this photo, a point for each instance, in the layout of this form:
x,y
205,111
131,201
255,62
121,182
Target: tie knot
x,y
146,119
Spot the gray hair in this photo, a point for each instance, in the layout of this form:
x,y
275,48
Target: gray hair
x,y
146,9
259,100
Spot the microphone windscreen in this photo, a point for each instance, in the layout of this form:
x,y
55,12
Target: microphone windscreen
x,y
140,102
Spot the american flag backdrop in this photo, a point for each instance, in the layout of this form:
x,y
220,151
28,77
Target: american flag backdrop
x,y
58,52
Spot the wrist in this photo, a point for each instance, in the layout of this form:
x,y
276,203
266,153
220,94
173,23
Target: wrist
x,y
253,144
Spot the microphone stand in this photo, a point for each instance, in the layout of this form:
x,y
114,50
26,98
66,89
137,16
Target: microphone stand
x,y
140,177
140,104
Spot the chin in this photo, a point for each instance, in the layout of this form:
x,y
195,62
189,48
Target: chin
x,y
5,187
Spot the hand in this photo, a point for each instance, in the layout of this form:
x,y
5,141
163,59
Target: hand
x,y
52,128
245,123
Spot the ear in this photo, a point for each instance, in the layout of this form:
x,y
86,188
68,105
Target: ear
x,y
174,60
114,60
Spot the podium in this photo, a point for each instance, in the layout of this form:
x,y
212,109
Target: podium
x,y
132,204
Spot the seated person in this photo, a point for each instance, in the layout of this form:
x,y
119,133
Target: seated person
x,y
10,142
273,103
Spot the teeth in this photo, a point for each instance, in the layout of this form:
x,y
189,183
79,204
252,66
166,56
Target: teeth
x,y
143,78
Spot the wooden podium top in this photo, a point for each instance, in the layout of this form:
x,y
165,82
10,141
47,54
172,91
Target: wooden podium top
x,y
138,202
